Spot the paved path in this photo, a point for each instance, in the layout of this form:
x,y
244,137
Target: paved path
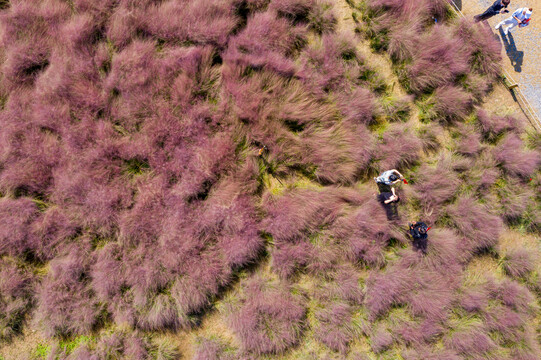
x,y
521,50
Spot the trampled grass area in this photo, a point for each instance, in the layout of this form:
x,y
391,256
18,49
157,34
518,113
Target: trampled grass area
x,y
194,180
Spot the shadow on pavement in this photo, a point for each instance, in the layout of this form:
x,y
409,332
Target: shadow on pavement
x,y
513,54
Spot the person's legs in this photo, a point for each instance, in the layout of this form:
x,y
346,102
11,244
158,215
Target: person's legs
x,y
512,26
505,22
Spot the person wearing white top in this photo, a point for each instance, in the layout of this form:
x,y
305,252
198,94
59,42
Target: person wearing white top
x,y
520,17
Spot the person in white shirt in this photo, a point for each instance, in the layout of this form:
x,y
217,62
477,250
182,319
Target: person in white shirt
x,y
520,17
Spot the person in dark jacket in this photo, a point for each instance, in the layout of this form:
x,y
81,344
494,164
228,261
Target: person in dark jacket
x,y
418,231
494,9
389,201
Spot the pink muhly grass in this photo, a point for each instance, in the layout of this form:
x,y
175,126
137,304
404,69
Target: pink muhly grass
x,y
144,221
30,30
110,346
212,349
29,156
61,312
325,255
429,353
514,159
335,329
437,62
295,10
479,228
301,212
475,299
492,125
418,281
124,23
385,290
16,217
135,347
358,106
399,11
435,187
430,136
433,302
529,346
396,108
106,272
289,257
206,276
322,18
381,340
51,232
482,50
505,321
115,345
235,227
16,290
478,86
131,75
471,341
345,286
451,104
443,252
518,262
265,42
515,199
29,17
91,202
516,296
159,313
204,22
328,65
469,143
524,354
98,10
24,63
399,147
81,33
416,334
339,153
364,233
268,319
402,10
80,352
403,40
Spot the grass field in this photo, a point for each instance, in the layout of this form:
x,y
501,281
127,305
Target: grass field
x,y
194,180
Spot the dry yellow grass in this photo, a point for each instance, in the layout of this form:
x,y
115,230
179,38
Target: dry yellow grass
x,y
22,347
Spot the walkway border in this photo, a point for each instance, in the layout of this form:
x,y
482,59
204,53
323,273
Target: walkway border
x,y
517,93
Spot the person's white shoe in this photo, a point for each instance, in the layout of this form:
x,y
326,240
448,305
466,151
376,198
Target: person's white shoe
x,y
497,27
505,31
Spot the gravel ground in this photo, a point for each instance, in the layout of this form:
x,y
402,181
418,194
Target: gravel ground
x,y
521,50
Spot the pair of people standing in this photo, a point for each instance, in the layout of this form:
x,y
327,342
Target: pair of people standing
x,y
521,17
389,198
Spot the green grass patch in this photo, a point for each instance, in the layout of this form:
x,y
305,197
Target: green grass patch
x,y
69,345
136,166
41,351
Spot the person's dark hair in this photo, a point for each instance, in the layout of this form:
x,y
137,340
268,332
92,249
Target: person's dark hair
x,y
393,177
